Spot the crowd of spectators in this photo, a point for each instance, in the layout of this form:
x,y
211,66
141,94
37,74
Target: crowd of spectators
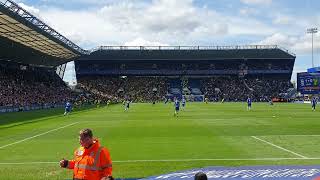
x,y
137,89
148,89
38,87
31,87
239,89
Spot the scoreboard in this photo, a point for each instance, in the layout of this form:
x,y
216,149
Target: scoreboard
x,y
308,83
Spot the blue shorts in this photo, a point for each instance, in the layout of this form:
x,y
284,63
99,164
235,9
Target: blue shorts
x,y
249,105
177,108
68,109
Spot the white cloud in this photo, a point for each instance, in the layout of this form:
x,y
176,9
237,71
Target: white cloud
x,y
248,11
279,39
31,9
291,21
153,23
82,27
257,2
304,45
143,42
239,26
283,20
300,44
121,22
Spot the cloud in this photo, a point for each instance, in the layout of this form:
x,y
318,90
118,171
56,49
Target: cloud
x,y
248,11
143,42
159,16
120,22
304,44
251,27
31,9
280,39
293,22
257,2
301,44
283,20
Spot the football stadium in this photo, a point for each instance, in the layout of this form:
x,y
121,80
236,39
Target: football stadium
x,y
163,112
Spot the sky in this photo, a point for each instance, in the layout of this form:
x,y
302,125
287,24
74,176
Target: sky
x,y
92,23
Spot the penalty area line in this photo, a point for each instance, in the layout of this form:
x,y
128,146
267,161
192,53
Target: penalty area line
x,y
279,147
20,141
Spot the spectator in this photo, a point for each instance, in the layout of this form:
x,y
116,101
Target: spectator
x,y
91,161
200,176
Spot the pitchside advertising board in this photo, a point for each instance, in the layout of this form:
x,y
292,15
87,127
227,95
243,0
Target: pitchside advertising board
x,y
247,172
308,83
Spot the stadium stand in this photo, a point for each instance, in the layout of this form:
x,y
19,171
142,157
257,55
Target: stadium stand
x,y
140,73
33,86
33,59
140,89
229,73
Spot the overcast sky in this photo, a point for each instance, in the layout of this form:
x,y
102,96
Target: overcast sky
x,y
91,23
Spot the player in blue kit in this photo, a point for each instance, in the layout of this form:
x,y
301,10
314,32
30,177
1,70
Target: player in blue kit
x,y
314,103
249,102
68,108
183,103
177,107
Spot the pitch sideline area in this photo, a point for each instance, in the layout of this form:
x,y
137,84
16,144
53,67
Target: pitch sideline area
x,y
148,140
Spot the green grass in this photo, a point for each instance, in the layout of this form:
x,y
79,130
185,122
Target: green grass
x,y
203,135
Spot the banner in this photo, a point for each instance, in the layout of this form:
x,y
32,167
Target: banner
x,y
247,172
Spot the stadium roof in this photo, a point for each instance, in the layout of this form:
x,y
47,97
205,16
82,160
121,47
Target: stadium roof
x,y
21,27
236,47
188,53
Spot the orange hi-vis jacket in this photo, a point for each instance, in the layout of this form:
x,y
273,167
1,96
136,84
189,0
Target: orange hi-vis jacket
x,y
91,164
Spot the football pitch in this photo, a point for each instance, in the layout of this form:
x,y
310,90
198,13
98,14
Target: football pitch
x,y
148,140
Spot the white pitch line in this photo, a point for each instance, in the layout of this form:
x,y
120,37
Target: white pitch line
x,y
172,160
284,149
297,135
221,159
294,135
1,147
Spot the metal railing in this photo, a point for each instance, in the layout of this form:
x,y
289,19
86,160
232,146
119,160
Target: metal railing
x,y
148,48
185,47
